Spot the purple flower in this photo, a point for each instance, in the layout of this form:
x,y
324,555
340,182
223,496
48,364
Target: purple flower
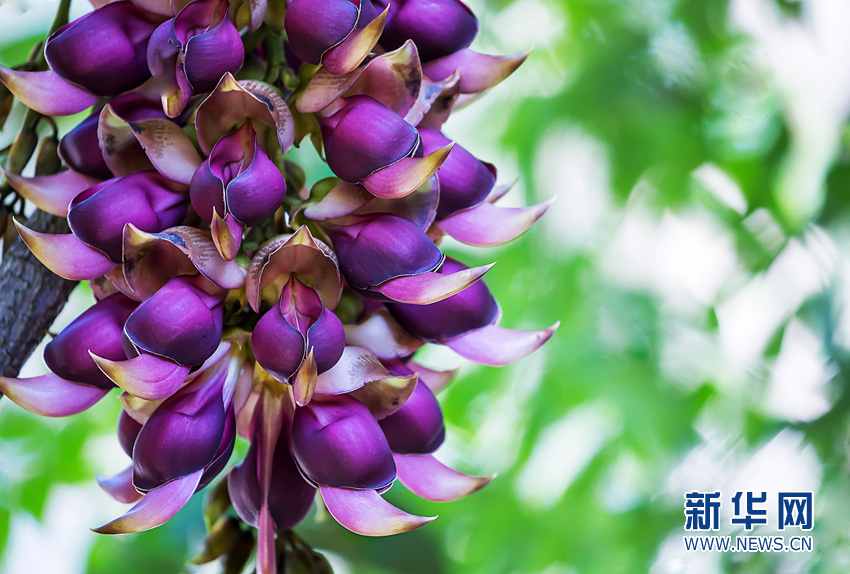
x,y
146,199
465,181
383,247
98,330
338,443
238,179
104,51
181,321
297,325
191,52
437,27
365,136
417,427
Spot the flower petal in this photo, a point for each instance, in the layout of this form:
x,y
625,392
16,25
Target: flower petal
x,y
430,287
120,487
343,199
122,152
46,92
478,72
50,396
147,376
496,346
156,507
382,335
386,396
65,255
487,225
304,381
354,369
406,175
427,477
50,193
366,512
346,56
168,147
434,380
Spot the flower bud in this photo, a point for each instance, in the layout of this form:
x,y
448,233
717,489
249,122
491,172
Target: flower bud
x,y
464,180
97,330
182,435
437,27
180,321
238,178
365,136
383,247
337,442
417,427
145,198
103,51
472,308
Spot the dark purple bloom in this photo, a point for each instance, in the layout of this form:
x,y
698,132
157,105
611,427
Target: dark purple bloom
x,y
238,179
437,27
146,199
289,330
97,330
290,496
383,247
128,430
192,51
365,136
417,427
465,181
104,51
181,321
80,148
337,442
183,435
472,308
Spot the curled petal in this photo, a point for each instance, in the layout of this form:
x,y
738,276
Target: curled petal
x,y
121,151
478,72
343,199
120,487
304,382
500,189
382,335
420,207
430,287
346,56
355,368
155,508
386,396
46,92
496,346
232,103
300,253
51,396
65,255
138,409
168,147
487,225
147,376
152,259
434,380
50,193
226,234
427,477
366,512
406,175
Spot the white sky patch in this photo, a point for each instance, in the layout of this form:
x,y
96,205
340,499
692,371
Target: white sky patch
x,y
719,184
563,451
748,319
798,383
573,167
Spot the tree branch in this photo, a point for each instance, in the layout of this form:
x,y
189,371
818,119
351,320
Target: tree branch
x,y
31,297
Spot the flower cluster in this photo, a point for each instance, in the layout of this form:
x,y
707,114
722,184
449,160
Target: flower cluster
x,y
234,300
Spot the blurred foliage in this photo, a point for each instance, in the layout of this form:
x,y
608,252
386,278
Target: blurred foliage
x,y
665,87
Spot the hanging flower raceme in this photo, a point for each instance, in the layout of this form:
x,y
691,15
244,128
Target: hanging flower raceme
x,y
233,298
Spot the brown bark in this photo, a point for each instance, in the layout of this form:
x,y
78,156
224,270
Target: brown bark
x,y
31,297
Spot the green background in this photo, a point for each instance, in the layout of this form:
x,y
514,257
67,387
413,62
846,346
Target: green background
x,y
695,256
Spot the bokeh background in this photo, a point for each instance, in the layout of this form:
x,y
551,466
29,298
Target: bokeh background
x,y
696,256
